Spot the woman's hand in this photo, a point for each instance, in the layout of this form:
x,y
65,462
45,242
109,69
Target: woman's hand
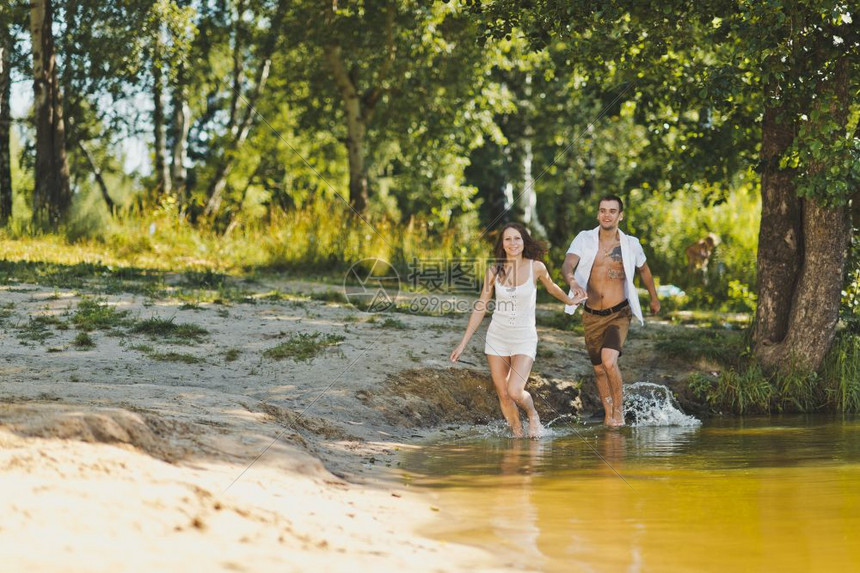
x,y
455,355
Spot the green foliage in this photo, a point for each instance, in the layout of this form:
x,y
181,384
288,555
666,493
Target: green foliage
x,y
671,223
303,347
850,308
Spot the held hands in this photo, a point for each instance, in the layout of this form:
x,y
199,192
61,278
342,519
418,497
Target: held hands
x,y
577,293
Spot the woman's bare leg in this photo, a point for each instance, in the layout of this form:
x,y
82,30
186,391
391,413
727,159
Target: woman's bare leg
x,y
521,368
500,370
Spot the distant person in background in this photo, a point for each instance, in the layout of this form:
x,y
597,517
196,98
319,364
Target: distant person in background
x,y
599,265
511,342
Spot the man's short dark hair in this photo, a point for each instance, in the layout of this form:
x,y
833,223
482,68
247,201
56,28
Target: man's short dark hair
x,y
613,198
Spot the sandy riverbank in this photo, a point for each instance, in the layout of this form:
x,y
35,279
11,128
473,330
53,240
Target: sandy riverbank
x,y
147,453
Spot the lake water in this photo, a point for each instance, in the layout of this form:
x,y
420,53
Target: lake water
x,y
751,494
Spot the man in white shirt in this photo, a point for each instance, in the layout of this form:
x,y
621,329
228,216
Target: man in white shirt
x,y
599,265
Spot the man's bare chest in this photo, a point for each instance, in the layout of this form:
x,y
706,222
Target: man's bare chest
x,y
608,263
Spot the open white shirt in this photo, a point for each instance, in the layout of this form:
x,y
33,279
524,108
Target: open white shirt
x,y
585,245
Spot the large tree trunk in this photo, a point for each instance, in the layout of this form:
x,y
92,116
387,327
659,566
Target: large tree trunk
x,y
802,251
779,242
5,125
51,192
815,312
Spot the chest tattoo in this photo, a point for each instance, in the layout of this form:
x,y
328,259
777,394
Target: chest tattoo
x,y
613,253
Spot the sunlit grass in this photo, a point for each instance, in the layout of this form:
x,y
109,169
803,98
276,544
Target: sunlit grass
x,y
317,241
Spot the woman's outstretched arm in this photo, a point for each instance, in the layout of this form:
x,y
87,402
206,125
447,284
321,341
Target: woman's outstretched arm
x,y
542,275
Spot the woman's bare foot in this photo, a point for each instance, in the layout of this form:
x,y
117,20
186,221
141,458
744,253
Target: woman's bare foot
x,y
535,429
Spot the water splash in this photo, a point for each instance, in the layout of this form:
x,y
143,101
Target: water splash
x,y
570,417
654,405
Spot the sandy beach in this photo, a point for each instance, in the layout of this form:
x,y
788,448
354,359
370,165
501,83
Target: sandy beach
x,y
145,452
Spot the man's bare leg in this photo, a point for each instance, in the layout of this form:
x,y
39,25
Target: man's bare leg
x,y
500,370
521,368
609,358
601,380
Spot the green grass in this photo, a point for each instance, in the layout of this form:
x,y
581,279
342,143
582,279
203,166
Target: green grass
x,y
40,328
743,392
96,314
231,354
303,347
6,311
841,373
169,330
393,323
175,357
83,341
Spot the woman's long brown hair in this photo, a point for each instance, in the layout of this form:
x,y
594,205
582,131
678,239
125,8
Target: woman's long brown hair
x,y
532,248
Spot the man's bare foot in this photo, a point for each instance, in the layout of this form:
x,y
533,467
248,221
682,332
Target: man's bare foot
x,y
518,432
616,421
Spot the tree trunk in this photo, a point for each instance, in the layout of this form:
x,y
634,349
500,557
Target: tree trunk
x,y
51,191
240,131
5,125
162,172
181,127
528,196
238,65
98,175
797,322
779,242
815,312
356,129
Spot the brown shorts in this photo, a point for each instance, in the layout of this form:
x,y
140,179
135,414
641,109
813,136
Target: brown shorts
x,y
605,332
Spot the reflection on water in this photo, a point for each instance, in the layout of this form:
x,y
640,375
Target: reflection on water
x,y
754,494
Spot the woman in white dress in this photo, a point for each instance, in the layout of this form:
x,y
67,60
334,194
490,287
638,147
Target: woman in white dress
x,y
511,342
